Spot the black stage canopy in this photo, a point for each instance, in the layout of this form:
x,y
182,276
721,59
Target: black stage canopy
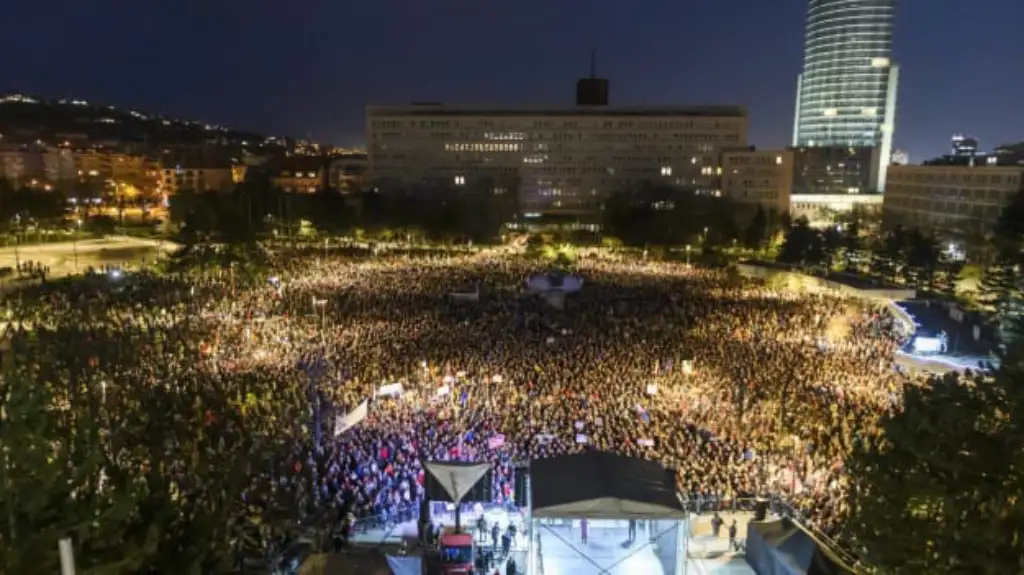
x,y
602,485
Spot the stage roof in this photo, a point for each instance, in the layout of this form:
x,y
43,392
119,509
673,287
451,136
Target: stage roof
x,y
602,485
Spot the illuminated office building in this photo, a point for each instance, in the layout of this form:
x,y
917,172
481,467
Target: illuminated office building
x,y
846,93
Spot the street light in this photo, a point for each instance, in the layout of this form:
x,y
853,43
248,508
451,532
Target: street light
x,y
687,255
74,244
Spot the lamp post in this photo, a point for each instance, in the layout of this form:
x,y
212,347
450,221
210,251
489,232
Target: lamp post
x,y
17,240
74,243
687,255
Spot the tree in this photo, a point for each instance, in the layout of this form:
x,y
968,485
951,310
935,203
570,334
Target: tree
x,y
940,490
887,261
922,256
146,466
802,245
757,232
1000,293
53,483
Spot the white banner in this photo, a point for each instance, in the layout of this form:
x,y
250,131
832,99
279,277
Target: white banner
x,y
345,422
645,442
652,389
390,389
443,391
582,438
545,438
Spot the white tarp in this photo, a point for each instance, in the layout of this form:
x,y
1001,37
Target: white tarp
x,y
350,419
470,297
405,565
456,479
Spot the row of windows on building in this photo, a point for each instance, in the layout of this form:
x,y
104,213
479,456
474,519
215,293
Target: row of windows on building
x,y
939,177
514,133
700,138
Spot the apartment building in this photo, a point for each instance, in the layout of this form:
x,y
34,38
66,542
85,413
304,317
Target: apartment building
x,y
558,160
758,178
299,174
347,172
36,165
952,201
196,170
122,169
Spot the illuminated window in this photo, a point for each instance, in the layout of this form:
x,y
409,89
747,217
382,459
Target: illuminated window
x,y
869,112
666,170
778,160
830,112
693,160
460,180
879,62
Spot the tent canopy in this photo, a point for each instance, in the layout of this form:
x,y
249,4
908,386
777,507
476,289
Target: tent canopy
x,y
457,478
602,485
782,547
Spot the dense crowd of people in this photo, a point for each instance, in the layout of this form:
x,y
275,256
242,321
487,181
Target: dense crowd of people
x,y
744,390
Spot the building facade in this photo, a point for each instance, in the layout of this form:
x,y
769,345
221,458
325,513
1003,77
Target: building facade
x,y
961,145
758,178
822,210
196,170
558,160
957,201
347,172
833,170
299,174
846,93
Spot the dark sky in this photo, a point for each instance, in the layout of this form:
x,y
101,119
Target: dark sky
x,y
308,67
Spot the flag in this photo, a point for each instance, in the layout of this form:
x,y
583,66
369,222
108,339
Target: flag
x,y
349,420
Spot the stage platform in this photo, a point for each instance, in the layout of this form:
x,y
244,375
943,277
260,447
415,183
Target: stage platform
x,y
562,551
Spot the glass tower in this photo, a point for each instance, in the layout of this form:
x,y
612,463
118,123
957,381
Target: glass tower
x,y
846,95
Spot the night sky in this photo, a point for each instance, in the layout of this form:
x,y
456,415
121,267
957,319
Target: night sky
x,y
308,67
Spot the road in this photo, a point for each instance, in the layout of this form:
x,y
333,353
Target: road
x,y
61,257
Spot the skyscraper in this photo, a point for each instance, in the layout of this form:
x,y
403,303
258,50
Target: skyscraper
x,y
846,94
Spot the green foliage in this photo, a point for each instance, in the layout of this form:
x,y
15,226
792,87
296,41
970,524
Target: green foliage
x,y
666,216
802,245
756,233
25,205
143,471
941,489
908,256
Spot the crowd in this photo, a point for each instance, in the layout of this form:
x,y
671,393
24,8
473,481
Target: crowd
x,y
743,390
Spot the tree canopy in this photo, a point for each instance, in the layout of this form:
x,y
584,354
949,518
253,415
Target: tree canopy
x,y
940,490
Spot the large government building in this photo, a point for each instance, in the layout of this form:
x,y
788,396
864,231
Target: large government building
x,y
559,160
